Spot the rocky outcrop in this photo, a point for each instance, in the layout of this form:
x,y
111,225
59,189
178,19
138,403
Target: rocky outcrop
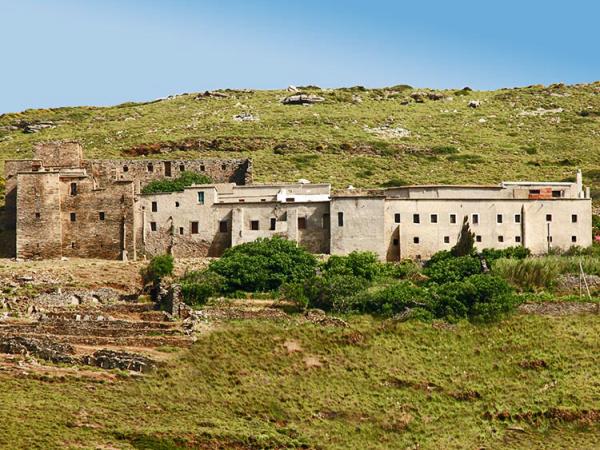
x,y
302,99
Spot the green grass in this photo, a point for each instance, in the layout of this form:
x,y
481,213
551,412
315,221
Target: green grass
x,y
379,385
328,142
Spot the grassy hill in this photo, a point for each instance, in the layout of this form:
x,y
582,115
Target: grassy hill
x,y
363,137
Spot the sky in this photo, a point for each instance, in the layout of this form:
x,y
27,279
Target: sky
x,y
91,52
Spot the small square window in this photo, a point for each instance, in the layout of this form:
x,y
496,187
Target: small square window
x,y
223,226
194,227
475,219
73,217
416,218
573,238
500,238
517,218
38,216
181,230
517,239
254,225
548,217
478,238
152,226
223,167
301,223
434,218
446,239
397,218
499,218
101,215
416,239
154,206
556,194
201,198
452,218
574,218
395,242
340,219
125,169
273,223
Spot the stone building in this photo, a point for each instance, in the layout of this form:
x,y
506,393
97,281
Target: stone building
x,y
64,205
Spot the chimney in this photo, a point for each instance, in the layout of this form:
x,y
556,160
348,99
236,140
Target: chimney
x,y
579,181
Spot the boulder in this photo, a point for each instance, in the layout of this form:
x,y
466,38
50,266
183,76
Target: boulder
x,y
474,104
302,99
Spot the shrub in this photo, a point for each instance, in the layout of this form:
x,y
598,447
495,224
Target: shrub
x,y
444,150
480,297
465,245
177,184
264,265
452,269
329,292
389,300
364,265
158,268
492,254
198,286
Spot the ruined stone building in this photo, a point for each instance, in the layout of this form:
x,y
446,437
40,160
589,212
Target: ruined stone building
x,y
63,205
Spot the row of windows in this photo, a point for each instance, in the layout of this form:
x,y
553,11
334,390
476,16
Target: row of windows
x,y
433,218
150,168
478,238
73,216
254,225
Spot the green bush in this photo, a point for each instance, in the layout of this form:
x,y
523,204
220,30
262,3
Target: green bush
x,y
389,300
492,254
364,265
452,269
158,267
198,286
482,298
264,265
176,184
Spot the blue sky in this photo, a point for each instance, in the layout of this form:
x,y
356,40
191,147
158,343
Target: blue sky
x,y
87,52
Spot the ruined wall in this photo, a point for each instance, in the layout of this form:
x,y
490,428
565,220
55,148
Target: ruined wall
x,y
142,172
11,169
59,154
104,218
38,216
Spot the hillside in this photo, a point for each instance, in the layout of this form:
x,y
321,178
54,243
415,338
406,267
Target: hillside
x,y
358,136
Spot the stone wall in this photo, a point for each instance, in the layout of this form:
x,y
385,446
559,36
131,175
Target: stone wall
x,y
59,154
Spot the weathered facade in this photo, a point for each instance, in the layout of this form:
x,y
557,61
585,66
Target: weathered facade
x,y
63,205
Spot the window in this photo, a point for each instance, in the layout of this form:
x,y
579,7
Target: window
x,y
340,219
73,188
201,198
518,239
181,168
125,168
499,218
549,238
434,218
176,204
194,227
534,192
478,238
223,226
573,238
241,200
500,238
38,216
395,242
416,218
167,168
150,167
416,240
202,168
548,217
254,225
154,206
574,218
223,167
475,219
273,224
101,215
517,218
73,245
452,218
290,199
397,218
446,239
181,230
301,223
152,226
556,194
73,217
325,221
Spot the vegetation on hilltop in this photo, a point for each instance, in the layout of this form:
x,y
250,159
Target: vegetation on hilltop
x,y
359,136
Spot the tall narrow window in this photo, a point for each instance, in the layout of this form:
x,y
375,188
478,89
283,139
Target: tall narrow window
x,y
397,218
416,218
273,224
434,218
475,219
73,188
573,239
154,206
452,218
167,168
101,215
223,226
181,168
150,167
517,218
340,219
181,230
201,198
73,217
194,228
499,218
254,225
152,226
301,223
574,218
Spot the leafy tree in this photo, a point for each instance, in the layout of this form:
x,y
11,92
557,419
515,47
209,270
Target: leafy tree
x,y
364,265
198,286
466,240
159,267
452,269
